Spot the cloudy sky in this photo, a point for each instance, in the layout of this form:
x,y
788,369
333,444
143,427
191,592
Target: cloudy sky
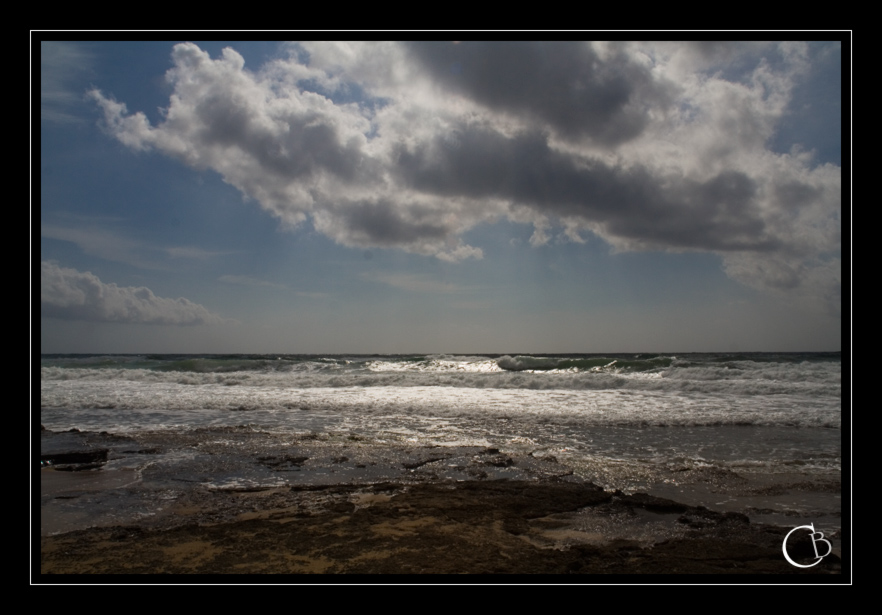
x,y
454,196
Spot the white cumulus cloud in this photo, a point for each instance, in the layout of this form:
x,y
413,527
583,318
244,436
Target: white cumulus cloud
x,y
74,295
650,146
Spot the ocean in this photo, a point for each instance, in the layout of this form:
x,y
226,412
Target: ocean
x,y
758,433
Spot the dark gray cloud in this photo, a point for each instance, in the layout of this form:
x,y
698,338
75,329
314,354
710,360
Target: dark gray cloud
x,y
793,194
383,223
566,85
719,214
294,145
74,295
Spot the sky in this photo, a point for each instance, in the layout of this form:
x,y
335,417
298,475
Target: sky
x,y
440,196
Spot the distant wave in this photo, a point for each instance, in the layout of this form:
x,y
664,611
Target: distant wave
x,y
701,374
595,364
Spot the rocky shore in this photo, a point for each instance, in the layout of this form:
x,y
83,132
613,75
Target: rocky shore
x,y
245,503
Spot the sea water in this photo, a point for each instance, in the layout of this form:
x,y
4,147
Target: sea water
x,y
624,421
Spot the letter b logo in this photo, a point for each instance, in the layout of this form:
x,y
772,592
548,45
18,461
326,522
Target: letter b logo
x,y
816,538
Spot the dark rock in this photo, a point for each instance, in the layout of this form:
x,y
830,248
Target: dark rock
x,y
476,472
653,504
69,457
78,467
341,507
701,517
515,525
500,461
285,462
415,464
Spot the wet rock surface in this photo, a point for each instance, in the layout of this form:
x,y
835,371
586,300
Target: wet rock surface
x,y
234,501
479,527
75,450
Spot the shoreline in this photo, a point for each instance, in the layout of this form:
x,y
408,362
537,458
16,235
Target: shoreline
x,y
416,510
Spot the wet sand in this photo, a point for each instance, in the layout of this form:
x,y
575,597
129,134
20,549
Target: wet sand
x,y
415,511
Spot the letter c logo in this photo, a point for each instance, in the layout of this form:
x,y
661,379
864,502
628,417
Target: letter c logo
x,y
815,542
